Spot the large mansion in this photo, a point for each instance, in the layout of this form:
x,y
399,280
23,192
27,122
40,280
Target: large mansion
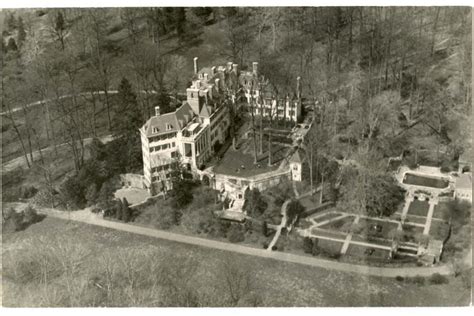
x,y
196,129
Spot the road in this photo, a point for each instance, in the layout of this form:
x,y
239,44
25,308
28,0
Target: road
x,y
89,218
42,102
20,161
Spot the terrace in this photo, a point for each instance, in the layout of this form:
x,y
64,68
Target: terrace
x,y
240,162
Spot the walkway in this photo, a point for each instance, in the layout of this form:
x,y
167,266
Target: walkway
x,y
349,237
224,246
280,227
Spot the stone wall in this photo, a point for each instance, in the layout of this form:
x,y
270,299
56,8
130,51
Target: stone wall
x,y
236,185
132,180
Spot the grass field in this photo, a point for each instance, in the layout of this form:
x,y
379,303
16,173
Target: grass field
x,y
88,248
419,208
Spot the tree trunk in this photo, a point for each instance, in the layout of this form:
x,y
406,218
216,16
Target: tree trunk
x,y
17,131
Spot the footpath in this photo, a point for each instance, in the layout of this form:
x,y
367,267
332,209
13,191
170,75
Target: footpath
x,y
92,219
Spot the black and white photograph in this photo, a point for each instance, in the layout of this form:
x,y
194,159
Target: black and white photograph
x,y
236,155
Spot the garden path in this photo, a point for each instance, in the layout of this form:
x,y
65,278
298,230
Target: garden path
x,y
224,246
280,227
349,237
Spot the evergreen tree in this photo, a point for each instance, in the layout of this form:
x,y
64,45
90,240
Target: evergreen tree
x,y
164,101
265,228
10,22
126,211
307,245
127,119
180,21
11,46
315,250
60,28
21,36
119,210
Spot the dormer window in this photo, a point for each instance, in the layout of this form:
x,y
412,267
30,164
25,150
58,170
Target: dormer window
x,y
168,126
156,129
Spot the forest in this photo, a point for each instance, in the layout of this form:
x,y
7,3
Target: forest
x,y
384,81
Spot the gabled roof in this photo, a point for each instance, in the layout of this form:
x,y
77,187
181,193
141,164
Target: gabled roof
x,y
296,158
205,111
464,181
169,122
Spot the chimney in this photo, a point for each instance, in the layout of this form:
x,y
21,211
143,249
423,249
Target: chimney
x,y
217,84
157,111
195,65
255,68
298,87
235,68
229,66
213,70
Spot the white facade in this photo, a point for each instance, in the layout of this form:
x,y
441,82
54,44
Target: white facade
x,y
463,189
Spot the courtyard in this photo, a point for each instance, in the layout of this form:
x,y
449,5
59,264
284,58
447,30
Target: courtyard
x,y
240,161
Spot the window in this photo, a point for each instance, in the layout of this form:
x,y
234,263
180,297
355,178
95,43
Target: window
x,y
295,167
173,144
156,129
168,126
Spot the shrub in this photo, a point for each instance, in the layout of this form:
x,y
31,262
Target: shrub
x,y
419,280
399,278
28,191
15,221
265,229
438,279
315,251
307,245
445,167
235,234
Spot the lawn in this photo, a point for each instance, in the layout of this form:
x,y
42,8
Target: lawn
x,y
419,208
375,228
310,202
441,210
413,179
439,230
90,249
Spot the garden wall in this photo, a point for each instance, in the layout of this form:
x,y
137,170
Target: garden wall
x,y
261,182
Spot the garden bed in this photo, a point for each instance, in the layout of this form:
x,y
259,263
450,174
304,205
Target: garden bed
x,y
329,234
419,208
325,217
372,240
368,254
415,219
376,228
432,182
342,224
